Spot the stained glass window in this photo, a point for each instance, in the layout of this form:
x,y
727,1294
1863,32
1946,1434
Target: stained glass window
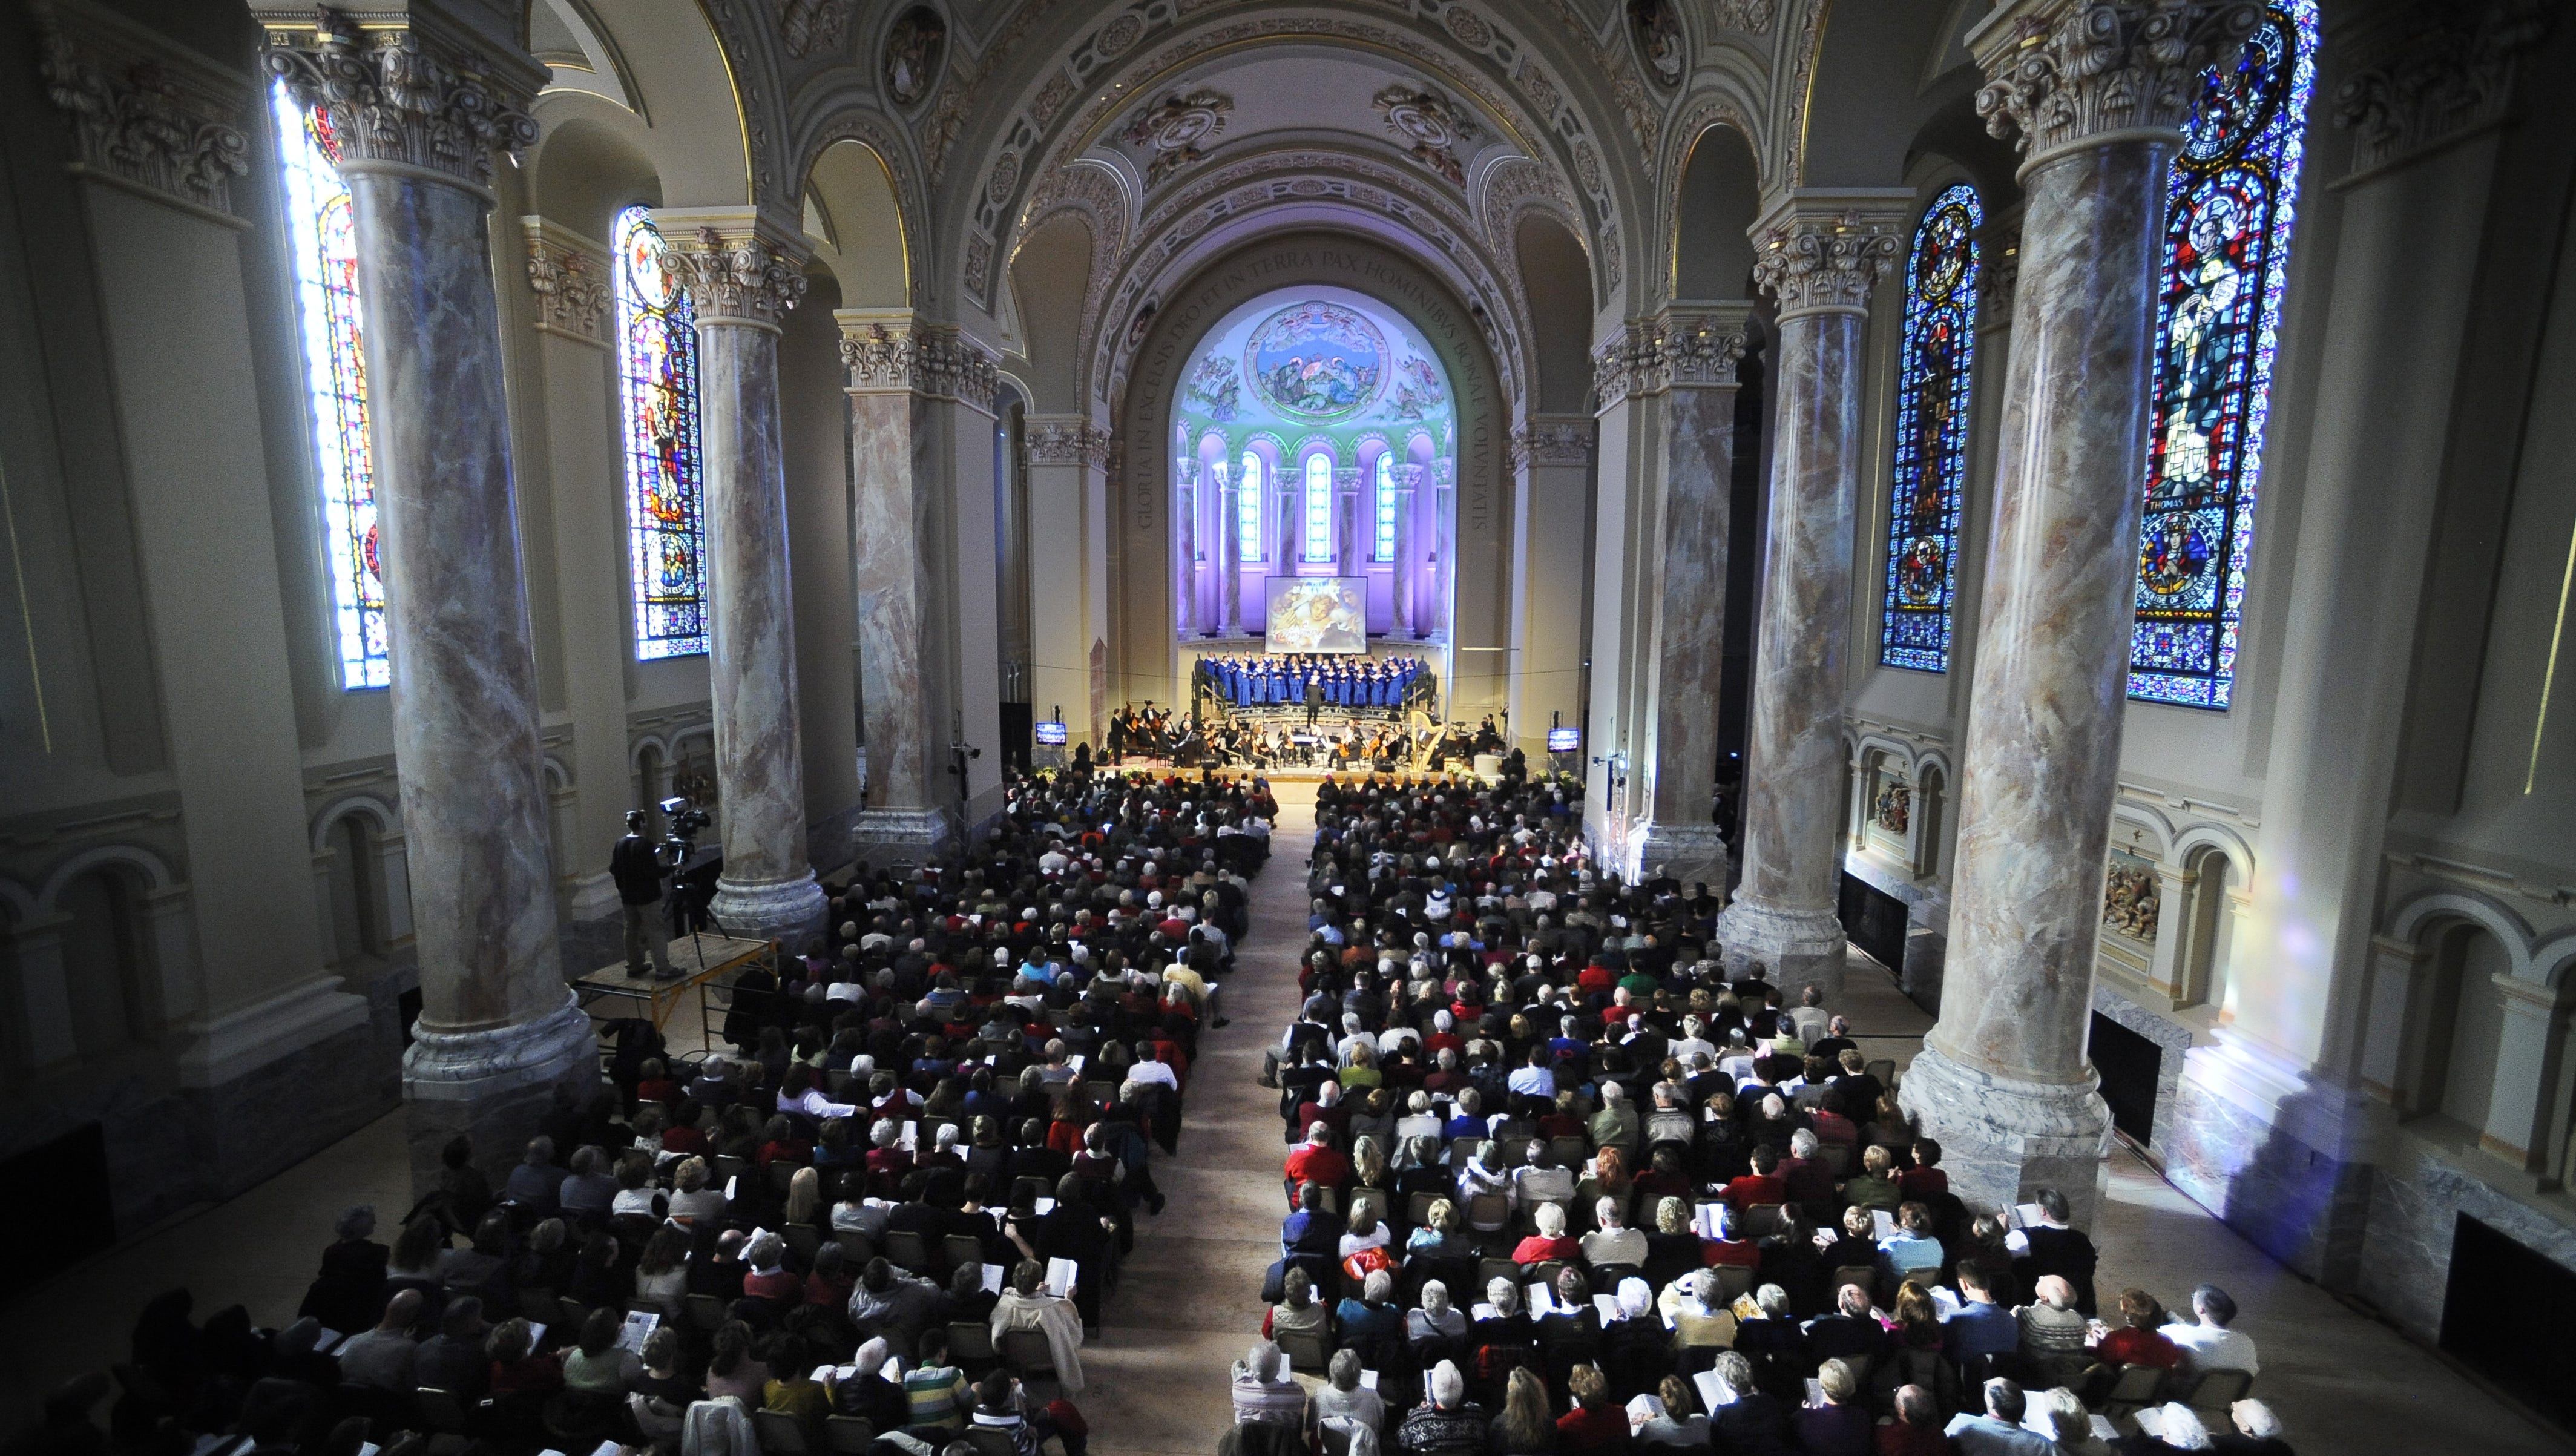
x,y
665,497
1247,509
1939,344
1386,506
324,241
1318,533
2227,251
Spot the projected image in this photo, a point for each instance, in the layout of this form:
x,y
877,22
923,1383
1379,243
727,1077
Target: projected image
x,y
1318,614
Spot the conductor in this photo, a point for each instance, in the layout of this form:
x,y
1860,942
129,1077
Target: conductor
x,y
636,865
1314,700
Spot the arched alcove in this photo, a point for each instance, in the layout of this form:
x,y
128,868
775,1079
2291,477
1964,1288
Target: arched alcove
x,y
1471,574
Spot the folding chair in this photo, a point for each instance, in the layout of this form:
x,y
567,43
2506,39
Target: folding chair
x,y
2137,1387
729,1166
988,1441
1417,1210
1462,1151
908,1251
1761,1220
1884,1069
2216,1390
1305,1349
1488,1270
1569,1152
1733,1280
856,1250
781,1175
706,1311
962,1249
1489,1213
1837,1159
848,1435
1864,1275
540,1306
1027,1354
803,1239
439,1411
970,1343
780,1433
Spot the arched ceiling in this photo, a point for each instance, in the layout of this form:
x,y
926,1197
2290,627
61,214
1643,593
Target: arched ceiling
x,y
1179,127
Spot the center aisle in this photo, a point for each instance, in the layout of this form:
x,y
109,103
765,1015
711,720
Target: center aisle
x,y
1189,1303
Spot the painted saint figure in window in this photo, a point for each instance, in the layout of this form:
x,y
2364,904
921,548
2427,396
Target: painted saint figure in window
x,y
1318,532
1932,433
324,241
2227,242
665,498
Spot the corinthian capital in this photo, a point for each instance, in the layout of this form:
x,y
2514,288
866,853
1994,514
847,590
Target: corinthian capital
x,y
1552,442
876,349
1067,440
1680,348
569,275
2069,73
406,91
1822,252
734,269
949,365
146,114
2430,71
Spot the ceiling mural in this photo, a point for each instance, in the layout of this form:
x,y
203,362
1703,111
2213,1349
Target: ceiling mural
x,y
1316,363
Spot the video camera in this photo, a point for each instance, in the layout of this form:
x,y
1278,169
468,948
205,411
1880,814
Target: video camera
x,y
682,821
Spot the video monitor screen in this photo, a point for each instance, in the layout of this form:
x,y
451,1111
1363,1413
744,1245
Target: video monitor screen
x,y
1564,740
1051,734
1318,614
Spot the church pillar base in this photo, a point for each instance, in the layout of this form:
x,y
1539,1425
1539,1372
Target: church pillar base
x,y
492,1085
2003,1139
1682,851
880,835
787,911
1800,945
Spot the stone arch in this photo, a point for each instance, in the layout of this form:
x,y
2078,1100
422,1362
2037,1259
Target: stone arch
x,y
1715,200
691,121
381,817
134,859
855,217
1041,108
2427,911
1143,662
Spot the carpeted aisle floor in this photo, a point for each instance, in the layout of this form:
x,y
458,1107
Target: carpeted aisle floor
x,y
1190,1302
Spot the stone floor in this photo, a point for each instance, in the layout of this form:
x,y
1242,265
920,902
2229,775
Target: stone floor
x,y
1189,1304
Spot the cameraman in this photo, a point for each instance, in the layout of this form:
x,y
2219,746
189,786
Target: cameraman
x,y
636,865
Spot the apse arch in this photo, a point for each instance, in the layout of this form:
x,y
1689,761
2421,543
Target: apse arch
x,y
1471,494
1346,381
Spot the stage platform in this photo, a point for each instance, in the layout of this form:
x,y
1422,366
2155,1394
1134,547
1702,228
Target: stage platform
x,y
705,964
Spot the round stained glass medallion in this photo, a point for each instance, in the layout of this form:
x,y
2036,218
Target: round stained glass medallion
x,y
1316,361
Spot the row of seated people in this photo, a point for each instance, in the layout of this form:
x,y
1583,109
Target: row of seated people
x,y
883,1224
1344,682
1577,1168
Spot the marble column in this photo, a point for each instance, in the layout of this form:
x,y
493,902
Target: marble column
x,y
1692,355
419,110
1068,513
2098,94
1819,255
1551,464
1229,549
743,277
1408,490
1185,510
1354,521
894,503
